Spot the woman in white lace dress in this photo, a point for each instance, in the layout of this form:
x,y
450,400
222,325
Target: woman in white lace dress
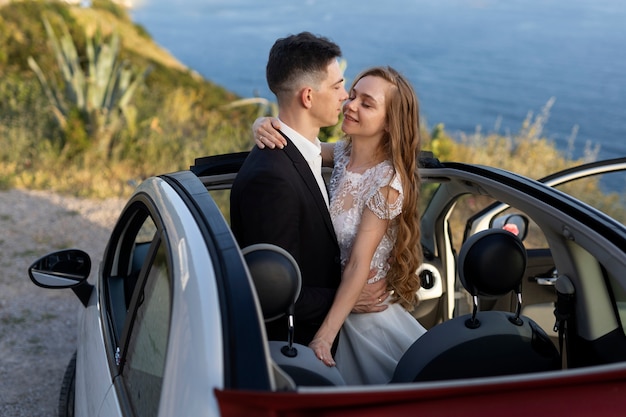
x,y
374,191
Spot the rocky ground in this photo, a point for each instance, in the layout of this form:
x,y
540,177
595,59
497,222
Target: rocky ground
x,y
38,326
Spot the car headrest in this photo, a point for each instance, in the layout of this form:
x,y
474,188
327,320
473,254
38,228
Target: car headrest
x,y
492,262
276,277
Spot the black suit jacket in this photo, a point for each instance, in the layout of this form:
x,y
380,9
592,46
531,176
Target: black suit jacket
x,y
275,199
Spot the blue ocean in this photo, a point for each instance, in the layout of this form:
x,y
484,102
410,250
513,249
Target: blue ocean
x,y
477,65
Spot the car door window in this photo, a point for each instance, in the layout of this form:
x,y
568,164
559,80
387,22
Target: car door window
x,y
127,255
147,342
606,192
140,248
222,200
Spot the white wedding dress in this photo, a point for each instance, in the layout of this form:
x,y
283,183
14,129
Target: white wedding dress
x,y
371,344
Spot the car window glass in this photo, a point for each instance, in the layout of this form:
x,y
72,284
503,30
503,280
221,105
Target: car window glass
x,y
140,247
427,190
466,206
222,200
129,247
605,192
146,232
145,356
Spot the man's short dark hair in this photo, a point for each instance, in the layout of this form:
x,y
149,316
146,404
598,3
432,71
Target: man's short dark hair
x,y
299,57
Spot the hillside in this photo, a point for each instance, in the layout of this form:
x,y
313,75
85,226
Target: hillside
x,y
159,115
53,141
133,38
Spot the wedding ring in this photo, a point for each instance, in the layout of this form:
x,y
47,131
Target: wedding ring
x,y
260,137
379,299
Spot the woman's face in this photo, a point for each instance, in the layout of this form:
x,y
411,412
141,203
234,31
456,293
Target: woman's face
x,y
365,111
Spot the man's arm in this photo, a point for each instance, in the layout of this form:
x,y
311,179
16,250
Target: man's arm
x,y
265,213
372,296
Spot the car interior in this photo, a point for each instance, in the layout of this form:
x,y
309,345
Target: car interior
x,y
483,343
527,299
512,308
276,277
479,344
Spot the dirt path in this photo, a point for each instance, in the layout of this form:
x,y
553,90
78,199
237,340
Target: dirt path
x,y
38,326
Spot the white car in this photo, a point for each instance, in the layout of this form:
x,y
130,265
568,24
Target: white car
x,y
172,320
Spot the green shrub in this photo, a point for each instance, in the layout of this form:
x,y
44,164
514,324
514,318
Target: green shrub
x,y
113,8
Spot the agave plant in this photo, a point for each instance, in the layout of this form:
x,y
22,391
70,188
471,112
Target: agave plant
x,y
265,106
102,93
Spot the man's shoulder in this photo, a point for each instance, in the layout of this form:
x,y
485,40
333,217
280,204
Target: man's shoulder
x,y
263,164
259,156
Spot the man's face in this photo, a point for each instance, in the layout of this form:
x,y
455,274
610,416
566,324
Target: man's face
x,y
328,99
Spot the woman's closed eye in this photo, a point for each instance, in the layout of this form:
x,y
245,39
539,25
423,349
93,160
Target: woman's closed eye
x,y
362,103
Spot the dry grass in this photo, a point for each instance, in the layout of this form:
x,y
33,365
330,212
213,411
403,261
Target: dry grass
x,y
93,19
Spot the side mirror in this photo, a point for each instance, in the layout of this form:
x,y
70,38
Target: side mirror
x,y
514,223
68,268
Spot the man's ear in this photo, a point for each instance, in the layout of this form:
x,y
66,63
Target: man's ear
x,y
306,97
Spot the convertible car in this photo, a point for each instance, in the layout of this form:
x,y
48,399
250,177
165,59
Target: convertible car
x,y
523,295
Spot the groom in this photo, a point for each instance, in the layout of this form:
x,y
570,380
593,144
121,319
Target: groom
x,y
279,196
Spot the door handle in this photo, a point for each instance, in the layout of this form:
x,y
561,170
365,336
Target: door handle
x,y
546,281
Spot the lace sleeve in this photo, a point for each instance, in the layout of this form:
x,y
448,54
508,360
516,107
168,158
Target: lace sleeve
x,y
378,202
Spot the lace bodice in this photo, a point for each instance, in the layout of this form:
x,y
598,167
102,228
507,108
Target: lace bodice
x,y
350,193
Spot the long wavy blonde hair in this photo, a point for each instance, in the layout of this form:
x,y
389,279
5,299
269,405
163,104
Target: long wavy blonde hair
x,y
401,144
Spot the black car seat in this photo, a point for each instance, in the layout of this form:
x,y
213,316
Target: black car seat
x,y
277,280
486,343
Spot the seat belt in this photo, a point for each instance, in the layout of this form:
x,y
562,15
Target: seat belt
x,y
564,312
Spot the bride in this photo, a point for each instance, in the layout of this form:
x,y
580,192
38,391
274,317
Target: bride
x,y
374,190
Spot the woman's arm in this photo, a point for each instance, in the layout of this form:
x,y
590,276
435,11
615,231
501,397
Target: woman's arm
x,y
354,278
265,131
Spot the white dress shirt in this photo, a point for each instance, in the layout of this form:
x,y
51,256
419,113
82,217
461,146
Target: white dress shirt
x,y
312,153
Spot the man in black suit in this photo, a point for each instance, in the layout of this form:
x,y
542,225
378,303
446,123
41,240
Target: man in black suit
x,y
279,196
